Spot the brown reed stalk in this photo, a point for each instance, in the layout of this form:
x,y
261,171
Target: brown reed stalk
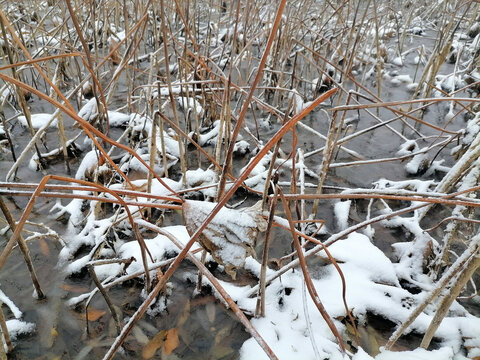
x,y
216,284
103,291
261,297
306,275
14,238
228,159
5,333
276,138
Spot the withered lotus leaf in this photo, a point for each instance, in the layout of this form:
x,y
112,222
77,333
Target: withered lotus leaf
x,y
230,236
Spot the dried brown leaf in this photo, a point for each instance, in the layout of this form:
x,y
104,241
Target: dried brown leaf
x,y
44,248
93,314
74,288
184,315
153,345
211,311
171,341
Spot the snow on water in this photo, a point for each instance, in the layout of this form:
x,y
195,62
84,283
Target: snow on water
x,y
171,145
371,286
89,161
202,179
16,327
116,118
39,120
417,354
89,111
158,247
190,104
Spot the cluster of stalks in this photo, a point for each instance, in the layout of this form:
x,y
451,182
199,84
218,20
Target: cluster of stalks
x,y
262,64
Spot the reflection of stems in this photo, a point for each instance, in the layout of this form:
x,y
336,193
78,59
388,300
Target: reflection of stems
x,y
7,134
24,248
102,290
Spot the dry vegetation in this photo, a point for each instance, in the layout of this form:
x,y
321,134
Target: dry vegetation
x,y
339,118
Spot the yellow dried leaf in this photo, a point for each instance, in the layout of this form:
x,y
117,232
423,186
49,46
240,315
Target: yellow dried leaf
x,y
153,345
211,311
171,341
73,288
93,314
44,248
54,332
184,315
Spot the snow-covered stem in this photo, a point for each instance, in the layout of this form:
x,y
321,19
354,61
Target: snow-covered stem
x,y
444,305
5,333
454,270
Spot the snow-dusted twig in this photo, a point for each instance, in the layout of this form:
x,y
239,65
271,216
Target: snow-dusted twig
x,y
454,270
